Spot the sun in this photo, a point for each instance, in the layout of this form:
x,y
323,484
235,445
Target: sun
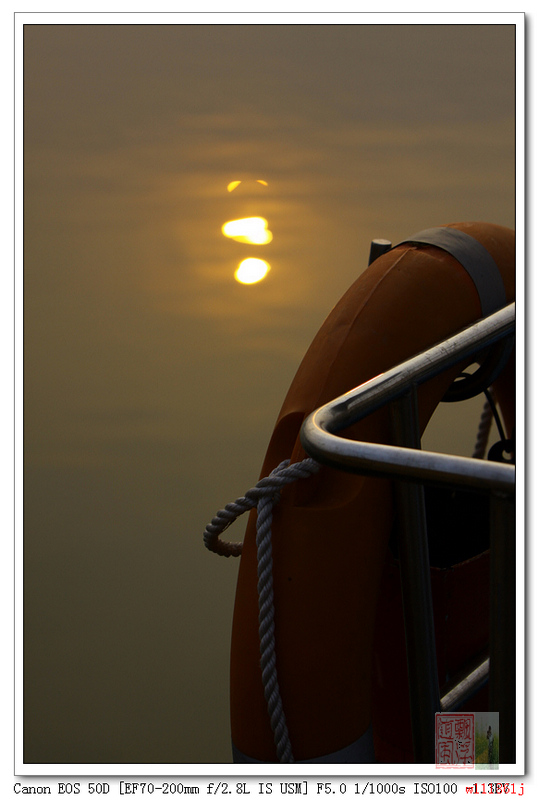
x,y
252,270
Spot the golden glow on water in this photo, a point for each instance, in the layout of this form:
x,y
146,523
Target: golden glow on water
x,y
250,230
234,184
252,270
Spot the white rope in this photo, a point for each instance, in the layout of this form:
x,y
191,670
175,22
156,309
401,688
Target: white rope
x,y
266,487
265,495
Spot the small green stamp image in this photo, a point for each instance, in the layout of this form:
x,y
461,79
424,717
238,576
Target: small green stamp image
x,y
487,740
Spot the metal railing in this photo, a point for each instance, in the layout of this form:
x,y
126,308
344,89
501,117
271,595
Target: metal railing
x,y
413,468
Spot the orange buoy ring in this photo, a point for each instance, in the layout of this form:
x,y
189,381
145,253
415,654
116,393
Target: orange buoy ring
x,y
330,533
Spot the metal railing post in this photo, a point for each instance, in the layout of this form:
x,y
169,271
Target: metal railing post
x,y
502,683
416,588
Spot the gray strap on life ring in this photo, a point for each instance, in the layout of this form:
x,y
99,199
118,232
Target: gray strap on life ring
x,y
475,259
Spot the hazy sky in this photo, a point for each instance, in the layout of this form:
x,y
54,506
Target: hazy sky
x,y
152,378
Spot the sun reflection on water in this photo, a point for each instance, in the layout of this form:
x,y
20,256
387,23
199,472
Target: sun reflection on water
x,y
249,230
234,184
252,270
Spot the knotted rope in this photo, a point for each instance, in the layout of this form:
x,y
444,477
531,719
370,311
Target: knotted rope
x,y
265,495
483,431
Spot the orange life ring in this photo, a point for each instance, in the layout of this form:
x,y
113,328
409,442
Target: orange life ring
x,y
331,532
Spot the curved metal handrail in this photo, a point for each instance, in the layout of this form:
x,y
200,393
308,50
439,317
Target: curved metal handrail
x,y
319,431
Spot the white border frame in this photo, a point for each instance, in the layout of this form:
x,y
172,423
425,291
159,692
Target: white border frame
x,y
234,18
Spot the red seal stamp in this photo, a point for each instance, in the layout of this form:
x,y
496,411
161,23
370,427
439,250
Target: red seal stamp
x,y
455,740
